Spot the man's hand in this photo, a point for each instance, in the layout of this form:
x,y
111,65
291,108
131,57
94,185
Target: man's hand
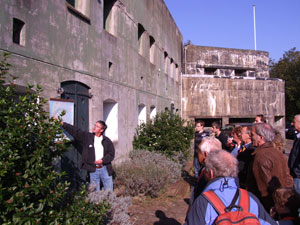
x,y
56,119
99,161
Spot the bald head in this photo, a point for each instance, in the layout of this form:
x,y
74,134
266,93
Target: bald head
x,y
207,145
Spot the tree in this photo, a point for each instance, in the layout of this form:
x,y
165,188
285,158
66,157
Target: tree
x,y
166,134
288,69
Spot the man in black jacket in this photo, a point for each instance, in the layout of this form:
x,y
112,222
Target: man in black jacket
x,y
199,135
216,129
294,157
97,155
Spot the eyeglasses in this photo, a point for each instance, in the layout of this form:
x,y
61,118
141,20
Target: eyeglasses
x,y
98,126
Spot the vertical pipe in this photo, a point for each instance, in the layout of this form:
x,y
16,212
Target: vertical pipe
x,y
254,23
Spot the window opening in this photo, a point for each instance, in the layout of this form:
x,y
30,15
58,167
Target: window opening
x,y
152,41
18,32
176,72
172,69
210,71
82,6
141,31
166,62
240,72
152,112
110,116
108,16
142,114
110,69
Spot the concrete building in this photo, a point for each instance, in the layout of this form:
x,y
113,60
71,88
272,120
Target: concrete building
x,y
231,85
119,60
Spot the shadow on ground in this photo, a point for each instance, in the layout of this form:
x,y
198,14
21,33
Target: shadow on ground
x,y
164,220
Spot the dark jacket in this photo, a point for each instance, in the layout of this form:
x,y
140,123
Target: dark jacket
x,y
244,158
294,158
198,139
88,154
223,139
267,172
202,212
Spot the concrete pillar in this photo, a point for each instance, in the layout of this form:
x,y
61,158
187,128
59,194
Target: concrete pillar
x,y
225,120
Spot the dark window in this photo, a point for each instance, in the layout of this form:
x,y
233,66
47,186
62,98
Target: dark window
x,y
108,5
209,121
240,121
152,41
210,71
141,30
110,69
18,32
240,72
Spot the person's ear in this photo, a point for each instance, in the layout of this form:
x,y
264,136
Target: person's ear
x,y
209,175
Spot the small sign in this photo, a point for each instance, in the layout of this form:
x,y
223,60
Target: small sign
x,y
56,106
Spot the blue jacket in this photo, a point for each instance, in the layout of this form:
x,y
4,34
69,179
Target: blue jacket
x,y
202,212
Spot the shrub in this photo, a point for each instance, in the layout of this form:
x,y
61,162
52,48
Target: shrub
x,y
118,212
146,173
31,191
166,134
80,210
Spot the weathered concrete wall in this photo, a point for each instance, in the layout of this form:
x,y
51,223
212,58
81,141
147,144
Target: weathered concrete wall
x,y
62,45
226,61
208,97
230,84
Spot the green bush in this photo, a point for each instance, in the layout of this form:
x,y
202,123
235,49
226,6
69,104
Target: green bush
x,y
31,191
79,209
166,134
146,173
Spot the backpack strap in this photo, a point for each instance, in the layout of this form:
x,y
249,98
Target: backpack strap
x,y
215,201
244,200
219,206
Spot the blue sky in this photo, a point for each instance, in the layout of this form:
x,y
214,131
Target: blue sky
x,y
229,23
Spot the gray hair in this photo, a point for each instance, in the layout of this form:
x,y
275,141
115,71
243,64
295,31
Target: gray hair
x,y
265,130
209,144
297,117
222,163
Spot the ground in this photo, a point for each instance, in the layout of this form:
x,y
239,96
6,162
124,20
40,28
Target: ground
x,y
171,207
168,209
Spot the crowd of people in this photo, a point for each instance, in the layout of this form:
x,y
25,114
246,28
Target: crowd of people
x,y
252,163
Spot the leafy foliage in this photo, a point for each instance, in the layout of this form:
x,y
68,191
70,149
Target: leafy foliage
x,y
288,69
81,210
146,173
166,134
31,191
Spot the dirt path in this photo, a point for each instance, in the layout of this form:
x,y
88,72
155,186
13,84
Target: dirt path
x,y
169,209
